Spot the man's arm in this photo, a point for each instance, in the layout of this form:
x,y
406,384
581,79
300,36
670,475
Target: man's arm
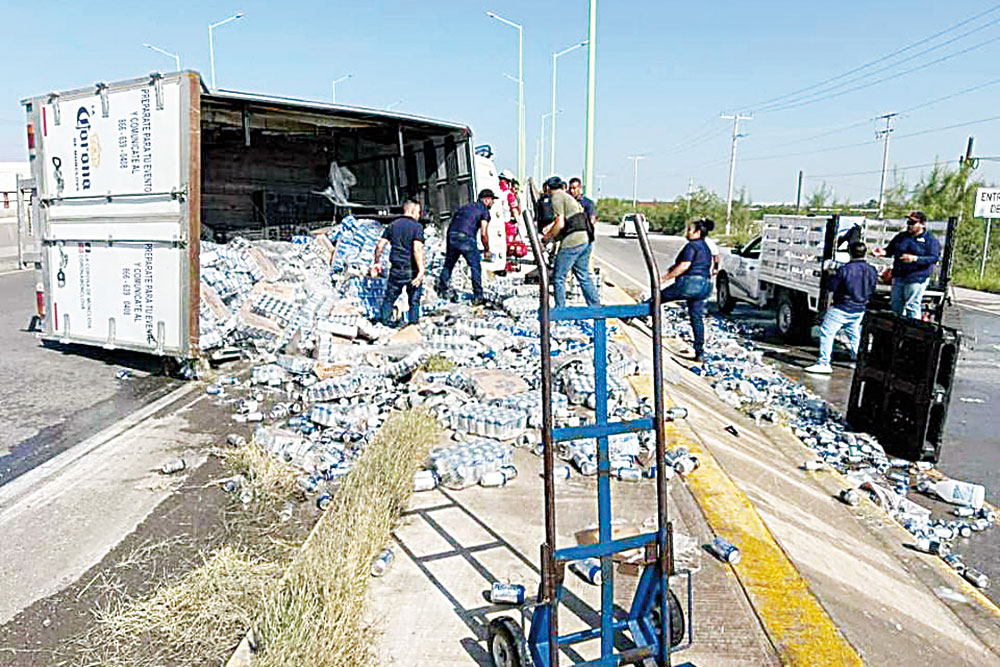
x,y
376,266
484,233
553,230
934,254
418,255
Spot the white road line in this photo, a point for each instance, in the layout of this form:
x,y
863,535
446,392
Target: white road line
x,y
622,273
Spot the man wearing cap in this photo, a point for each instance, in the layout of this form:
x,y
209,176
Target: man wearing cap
x,y
575,234
462,243
914,253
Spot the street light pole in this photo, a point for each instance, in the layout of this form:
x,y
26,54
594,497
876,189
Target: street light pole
x,y
552,156
520,91
635,179
541,134
211,43
588,162
176,58
336,81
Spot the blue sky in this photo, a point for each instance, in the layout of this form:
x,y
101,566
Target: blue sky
x,y
665,71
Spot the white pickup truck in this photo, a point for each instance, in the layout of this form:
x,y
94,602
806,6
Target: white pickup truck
x,y
783,268
130,176
629,222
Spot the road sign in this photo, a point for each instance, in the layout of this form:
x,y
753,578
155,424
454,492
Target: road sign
x,y
987,203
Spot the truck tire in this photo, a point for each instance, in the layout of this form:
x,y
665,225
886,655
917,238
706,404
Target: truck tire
x,y
723,297
792,317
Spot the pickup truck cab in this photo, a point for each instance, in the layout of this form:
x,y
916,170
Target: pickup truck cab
x,y
628,223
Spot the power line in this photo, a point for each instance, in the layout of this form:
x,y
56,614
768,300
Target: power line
x,y
817,177
795,105
950,96
876,61
800,100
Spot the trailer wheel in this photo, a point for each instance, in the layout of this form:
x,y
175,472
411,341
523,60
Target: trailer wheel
x,y
791,317
724,299
506,643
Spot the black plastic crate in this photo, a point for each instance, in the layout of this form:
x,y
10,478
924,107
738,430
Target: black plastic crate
x,y
902,395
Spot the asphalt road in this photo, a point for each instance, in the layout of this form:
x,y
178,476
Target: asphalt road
x,y
54,396
971,448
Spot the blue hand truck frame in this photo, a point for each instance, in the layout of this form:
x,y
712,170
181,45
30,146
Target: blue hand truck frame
x,y
653,614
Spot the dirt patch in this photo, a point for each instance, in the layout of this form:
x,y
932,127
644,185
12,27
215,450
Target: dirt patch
x,y
199,518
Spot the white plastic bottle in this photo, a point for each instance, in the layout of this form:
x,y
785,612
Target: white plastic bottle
x,y
960,493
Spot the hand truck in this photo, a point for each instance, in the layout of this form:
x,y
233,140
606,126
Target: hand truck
x,y
655,612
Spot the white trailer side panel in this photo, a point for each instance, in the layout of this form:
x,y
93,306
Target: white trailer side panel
x,y
114,172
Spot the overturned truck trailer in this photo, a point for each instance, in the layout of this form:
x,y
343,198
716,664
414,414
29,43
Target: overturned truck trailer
x,y
130,176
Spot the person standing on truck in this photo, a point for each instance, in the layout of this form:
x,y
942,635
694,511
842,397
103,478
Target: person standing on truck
x,y
468,219
573,230
693,270
914,254
405,236
851,287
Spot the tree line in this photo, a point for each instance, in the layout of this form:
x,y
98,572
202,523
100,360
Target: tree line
x,y
942,192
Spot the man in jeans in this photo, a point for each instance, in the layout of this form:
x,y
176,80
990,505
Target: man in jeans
x,y
576,240
405,237
851,287
465,223
914,254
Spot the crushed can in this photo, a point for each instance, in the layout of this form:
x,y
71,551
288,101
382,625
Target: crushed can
x,y
507,593
172,466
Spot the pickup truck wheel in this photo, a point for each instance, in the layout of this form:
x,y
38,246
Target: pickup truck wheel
x,y
723,297
792,317
621,233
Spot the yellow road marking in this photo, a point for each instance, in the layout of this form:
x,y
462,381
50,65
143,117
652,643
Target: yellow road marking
x,y
799,627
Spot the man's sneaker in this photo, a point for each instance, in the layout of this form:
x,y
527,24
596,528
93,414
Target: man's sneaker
x,y
820,369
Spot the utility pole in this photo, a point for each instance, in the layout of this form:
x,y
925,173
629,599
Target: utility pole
x,y
798,195
883,134
588,162
690,192
600,183
635,178
736,118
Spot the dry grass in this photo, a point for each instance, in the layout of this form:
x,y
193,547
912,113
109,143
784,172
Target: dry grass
x,y
272,484
197,620
437,363
317,616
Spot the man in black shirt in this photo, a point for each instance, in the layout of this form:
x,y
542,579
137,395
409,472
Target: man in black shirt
x,y
468,221
405,236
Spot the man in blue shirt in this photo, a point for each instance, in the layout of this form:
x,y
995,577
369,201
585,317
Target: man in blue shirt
x,y
405,236
465,223
914,253
576,189
852,286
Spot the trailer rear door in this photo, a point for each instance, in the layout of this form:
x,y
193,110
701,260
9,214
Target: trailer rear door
x,y
118,176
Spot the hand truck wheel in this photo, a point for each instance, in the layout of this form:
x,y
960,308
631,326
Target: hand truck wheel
x,y
676,619
507,643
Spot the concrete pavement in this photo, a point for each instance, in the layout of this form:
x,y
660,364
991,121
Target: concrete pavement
x,y
885,603
54,396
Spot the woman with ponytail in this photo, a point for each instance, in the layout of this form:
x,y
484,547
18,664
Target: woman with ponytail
x,y
692,270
